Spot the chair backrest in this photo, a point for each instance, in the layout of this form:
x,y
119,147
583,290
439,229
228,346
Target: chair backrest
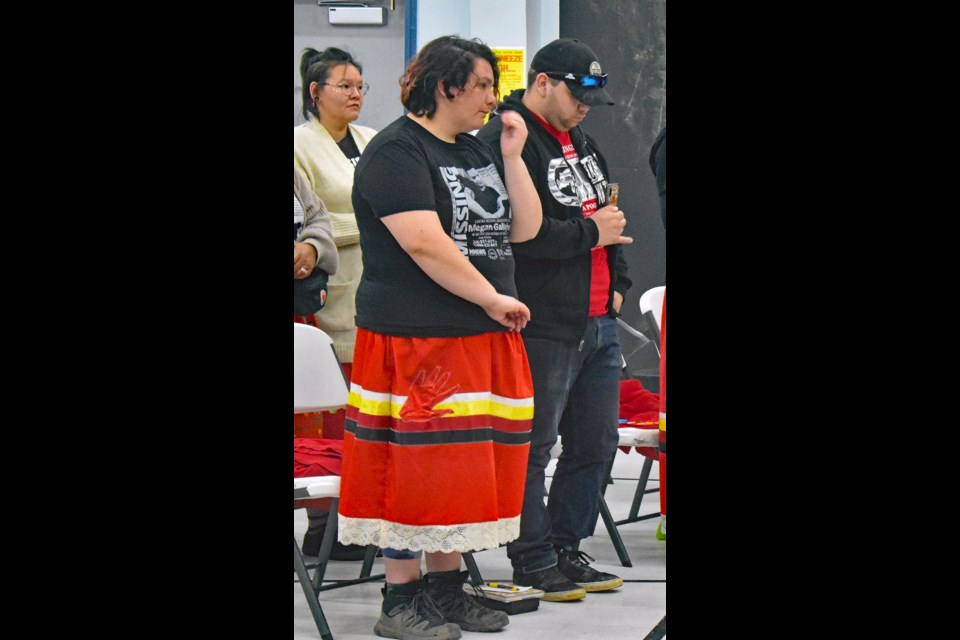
x,y
652,302
318,382
651,306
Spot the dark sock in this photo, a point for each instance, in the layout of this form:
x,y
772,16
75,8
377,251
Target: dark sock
x,y
437,580
397,594
444,575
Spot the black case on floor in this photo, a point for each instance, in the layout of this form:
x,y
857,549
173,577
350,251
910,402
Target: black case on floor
x,y
516,606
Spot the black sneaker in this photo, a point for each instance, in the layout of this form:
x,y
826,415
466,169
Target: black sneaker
x,y
408,613
445,588
556,586
574,565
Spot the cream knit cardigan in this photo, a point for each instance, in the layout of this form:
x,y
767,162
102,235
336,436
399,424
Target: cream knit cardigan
x,y
322,164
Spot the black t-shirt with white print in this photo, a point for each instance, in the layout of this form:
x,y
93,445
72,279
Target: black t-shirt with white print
x,y
349,148
406,168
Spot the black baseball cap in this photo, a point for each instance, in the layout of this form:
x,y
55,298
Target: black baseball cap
x,y
573,61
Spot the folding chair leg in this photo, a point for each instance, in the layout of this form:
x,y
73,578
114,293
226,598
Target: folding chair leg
x,y
369,555
658,631
614,532
641,487
608,520
312,600
603,489
326,545
475,577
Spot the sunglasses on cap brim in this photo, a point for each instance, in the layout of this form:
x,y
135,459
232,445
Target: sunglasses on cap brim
x,y
583,79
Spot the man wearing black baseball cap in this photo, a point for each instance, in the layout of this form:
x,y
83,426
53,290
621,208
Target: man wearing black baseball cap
x,y
573,277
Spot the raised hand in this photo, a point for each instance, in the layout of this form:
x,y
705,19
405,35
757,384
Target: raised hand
x,y
514,134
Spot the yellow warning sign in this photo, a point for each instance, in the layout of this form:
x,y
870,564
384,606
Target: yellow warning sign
x,y
511,70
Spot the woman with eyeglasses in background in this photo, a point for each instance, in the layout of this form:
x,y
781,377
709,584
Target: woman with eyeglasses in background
x,y
326,148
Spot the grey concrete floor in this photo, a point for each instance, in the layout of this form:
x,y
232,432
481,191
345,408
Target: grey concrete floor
x,y
628,612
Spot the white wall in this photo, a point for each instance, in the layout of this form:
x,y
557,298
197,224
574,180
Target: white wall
x,y
526,24
543,25
437,18
499,23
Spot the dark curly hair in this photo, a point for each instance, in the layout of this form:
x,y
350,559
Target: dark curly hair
x,y
315,66
448,60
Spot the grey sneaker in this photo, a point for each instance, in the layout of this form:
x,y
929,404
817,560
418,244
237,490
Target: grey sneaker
x,y
556,586
574,565
445,588
408,613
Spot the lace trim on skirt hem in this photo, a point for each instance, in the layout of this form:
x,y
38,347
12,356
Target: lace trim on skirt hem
x,y
445,538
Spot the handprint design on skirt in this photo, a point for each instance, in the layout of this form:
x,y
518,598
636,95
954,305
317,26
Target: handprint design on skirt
x,y
425,393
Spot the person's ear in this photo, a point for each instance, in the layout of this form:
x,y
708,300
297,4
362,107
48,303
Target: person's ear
x,y
541,82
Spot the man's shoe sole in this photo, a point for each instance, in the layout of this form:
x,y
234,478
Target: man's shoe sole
x,y
385,632
482,628
564,596
606,585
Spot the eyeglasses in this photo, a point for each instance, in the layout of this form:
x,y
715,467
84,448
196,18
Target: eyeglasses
x,y
583,79
346,88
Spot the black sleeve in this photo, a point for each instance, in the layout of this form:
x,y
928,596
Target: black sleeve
x,y
621,282
658,163
397,179
561,239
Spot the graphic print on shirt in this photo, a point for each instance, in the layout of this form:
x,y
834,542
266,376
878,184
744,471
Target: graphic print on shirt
x,y
297,217
427,391
573,182
481,211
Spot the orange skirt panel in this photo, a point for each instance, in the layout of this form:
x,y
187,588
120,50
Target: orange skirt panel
x,y
436,442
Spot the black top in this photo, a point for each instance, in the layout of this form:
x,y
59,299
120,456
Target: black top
x,y
406,168
553,271
350,149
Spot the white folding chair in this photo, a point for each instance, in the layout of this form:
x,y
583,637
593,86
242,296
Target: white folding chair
x,y
629,437
318,382
651,305
319,385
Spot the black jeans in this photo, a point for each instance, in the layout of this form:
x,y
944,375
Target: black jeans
x,y
576,391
